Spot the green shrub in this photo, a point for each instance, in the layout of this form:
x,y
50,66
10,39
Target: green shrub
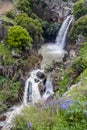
x,y
50,30
78,27
9,89
80,63
10,14
18,37
33,26
80,9
24,6
64,83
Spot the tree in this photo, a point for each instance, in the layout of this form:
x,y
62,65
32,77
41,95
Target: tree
x,y
24,6
18,37
80,9
33,26
79,27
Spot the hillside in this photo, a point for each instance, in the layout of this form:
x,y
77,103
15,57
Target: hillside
x,y
53,98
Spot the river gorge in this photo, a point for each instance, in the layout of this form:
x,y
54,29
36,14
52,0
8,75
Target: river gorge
x,y
50,52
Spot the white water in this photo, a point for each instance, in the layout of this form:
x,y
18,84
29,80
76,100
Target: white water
x,y
17,109
49,52
61,37
35,90
49,88
55,51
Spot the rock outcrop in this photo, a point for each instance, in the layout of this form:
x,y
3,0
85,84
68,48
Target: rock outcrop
x,y
59,9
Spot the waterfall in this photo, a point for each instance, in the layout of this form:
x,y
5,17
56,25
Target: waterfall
x,y
61,37
31,92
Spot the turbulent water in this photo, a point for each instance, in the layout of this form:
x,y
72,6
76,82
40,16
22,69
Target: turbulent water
x,y
50,52
55,51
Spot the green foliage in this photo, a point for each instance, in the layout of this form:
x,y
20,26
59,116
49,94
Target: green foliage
x,y
19,37
5,55
10,14
79,27
42,119
50,30
80,64
3,32
33,26
24,6
64,83
8,89
50,119
80,9
75,117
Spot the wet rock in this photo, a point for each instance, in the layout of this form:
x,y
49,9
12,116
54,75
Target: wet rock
x,y
15,55
67,64
3,118
36,80
40,75
50,100
55,88
72,54
42,88
81,39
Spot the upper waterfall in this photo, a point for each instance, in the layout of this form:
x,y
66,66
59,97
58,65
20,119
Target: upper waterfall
x,y
61,37
56,51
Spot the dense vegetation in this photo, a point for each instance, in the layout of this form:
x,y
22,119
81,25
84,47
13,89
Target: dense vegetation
x,y
21,35
80,9
70,111
80,25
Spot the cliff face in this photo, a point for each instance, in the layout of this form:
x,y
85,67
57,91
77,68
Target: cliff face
x,y
59,9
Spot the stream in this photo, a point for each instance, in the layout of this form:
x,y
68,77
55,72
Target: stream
x,y
50,52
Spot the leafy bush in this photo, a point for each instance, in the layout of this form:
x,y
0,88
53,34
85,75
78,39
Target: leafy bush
x,y
64,83
50,30
33,26
19,37
24,6
79,27
10,14
8,89
80,64
80,9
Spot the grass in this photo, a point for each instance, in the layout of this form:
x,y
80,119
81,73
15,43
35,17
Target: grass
x,y
79,92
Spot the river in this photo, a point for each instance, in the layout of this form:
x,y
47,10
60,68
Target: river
x,y
50,52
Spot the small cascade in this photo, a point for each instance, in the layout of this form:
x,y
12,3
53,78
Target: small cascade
x,y
31,93
49,88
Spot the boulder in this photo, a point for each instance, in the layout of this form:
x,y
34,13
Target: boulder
x,y
3,118
72,54
40,75
42,88
36,80
55,88
15,55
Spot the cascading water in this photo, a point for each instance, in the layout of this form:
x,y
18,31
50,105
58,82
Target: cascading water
x,y
49,88
56,51
32,95
31,92
61,37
